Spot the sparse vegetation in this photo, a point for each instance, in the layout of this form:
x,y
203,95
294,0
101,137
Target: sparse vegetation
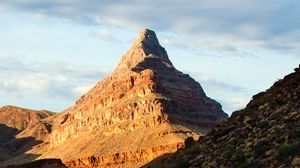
x,y
287,150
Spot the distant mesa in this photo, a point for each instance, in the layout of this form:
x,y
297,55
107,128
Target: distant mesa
x,y
144,109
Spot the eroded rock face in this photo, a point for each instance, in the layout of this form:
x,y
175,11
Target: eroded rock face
x,y
145,104
125,159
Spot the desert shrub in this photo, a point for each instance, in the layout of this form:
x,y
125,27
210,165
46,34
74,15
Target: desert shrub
x,y
250,162
286,150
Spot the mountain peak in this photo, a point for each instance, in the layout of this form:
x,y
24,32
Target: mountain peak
x,y
147,36
145,48
145,109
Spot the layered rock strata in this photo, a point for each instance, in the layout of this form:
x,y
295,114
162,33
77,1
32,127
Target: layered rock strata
x,y
143,105
144,109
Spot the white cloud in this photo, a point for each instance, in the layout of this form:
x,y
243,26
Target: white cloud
x,y
214,84
34,83
172,43
231,97
207,27
238,102
106,34
51,80
60,78
234,24
82,88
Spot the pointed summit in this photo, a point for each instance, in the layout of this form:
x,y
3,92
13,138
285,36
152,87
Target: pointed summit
x,y
147,37
145,50
145,109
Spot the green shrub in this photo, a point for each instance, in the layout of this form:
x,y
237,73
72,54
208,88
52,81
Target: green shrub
x,y
286,150
251,163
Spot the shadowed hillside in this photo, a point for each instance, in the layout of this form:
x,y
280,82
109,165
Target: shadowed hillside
x,y
264,134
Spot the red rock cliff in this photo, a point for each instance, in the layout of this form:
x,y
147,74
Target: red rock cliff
x,y
144,104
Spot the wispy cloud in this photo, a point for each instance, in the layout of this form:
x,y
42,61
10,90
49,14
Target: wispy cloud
x,y
106,34
231,104
232,97
206,27
52,80
226,25
169,42
215,84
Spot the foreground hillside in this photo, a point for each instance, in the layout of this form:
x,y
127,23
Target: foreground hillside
x,y
264,134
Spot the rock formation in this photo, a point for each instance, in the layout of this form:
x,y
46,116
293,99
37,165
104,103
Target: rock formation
x,y
144,109
20,130
264,134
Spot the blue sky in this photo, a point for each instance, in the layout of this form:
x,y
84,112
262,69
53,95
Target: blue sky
x,y
51,52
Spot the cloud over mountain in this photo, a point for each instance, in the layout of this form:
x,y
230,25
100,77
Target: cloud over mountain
x,y
256,24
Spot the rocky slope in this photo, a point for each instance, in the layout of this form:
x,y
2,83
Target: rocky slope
x,y
145,108
264,134
20,130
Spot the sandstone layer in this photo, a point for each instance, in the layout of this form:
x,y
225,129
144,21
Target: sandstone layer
x,y
144,109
